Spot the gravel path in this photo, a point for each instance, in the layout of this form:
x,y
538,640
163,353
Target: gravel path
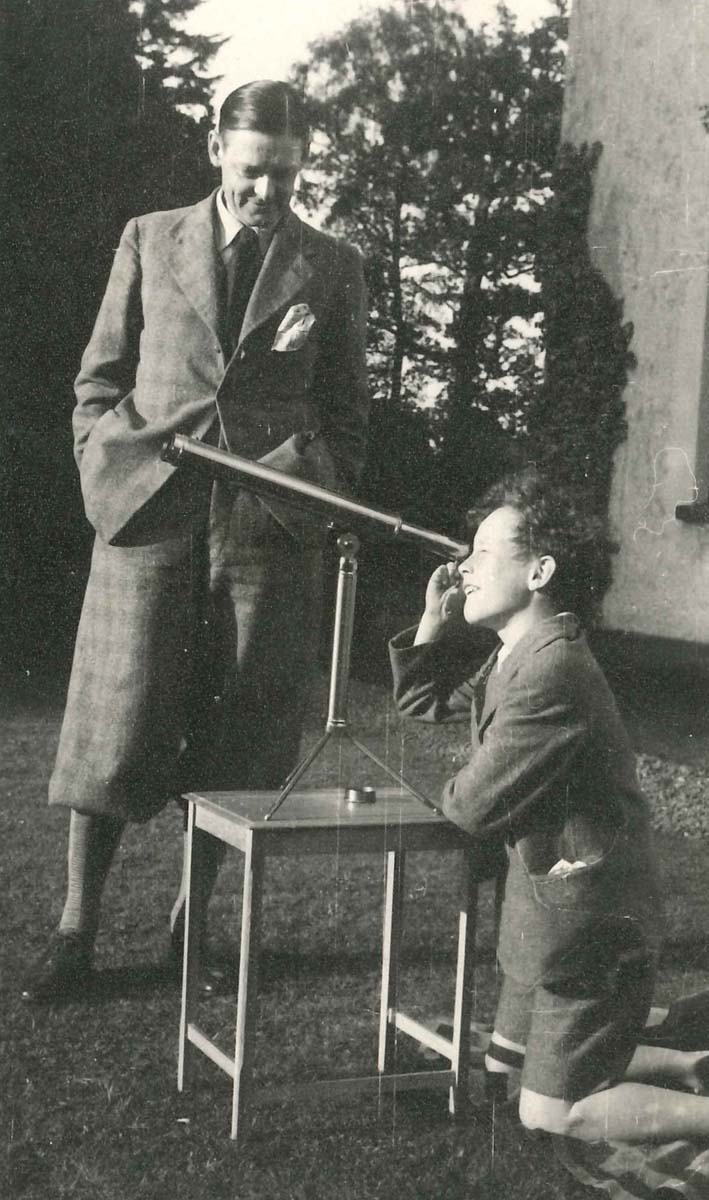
x,y
678,794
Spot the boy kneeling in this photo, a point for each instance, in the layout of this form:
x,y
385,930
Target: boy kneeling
x,y
552,777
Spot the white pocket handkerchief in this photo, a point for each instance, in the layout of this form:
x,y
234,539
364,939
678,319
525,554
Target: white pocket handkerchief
x,y
294,328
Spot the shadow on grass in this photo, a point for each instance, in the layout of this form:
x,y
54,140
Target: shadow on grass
x,y
150,979
108,984
121,983
276,964
141,979
690,953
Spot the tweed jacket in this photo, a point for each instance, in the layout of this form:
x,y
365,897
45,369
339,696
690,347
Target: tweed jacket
x,y
157,363
552,774
187,669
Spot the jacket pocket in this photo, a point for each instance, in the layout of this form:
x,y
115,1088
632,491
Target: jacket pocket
x,y
570,930
578,886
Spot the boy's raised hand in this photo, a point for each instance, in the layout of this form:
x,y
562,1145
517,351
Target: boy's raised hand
x,y
443,595
444,602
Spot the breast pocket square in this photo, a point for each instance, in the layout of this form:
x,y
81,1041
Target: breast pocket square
x,y
294,328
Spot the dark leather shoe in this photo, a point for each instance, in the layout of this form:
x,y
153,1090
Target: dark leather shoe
x,y
214,978
62,973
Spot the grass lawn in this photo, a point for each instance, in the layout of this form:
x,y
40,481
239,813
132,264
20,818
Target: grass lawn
x,y
87,1092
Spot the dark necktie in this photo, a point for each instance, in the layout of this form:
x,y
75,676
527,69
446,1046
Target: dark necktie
x,y
247,264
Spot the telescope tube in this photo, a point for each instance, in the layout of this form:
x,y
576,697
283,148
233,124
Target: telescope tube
x,y
267,481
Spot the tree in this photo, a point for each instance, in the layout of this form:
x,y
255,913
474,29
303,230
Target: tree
x,y
88,144
169,55
576,419
434,150
90,138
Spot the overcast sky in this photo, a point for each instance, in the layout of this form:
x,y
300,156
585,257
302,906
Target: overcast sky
x,y
266,37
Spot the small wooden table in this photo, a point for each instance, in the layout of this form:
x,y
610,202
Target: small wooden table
x,y
319,821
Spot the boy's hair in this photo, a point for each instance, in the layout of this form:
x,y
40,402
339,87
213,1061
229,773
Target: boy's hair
x,y
557,520
268,106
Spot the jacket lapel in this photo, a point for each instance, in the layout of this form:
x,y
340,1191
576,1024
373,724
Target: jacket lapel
x,y
194,261
486,704
284,272
481,689
565,626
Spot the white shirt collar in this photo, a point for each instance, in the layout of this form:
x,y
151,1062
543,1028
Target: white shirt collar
x,y
505,649
228,226
502,654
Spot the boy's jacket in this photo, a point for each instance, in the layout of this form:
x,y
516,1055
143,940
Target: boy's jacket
x,y
552,776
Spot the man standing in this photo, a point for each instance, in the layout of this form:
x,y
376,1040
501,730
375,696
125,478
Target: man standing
x,y
235,322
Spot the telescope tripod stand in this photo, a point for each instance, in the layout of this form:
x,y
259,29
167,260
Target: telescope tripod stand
x,y
336,725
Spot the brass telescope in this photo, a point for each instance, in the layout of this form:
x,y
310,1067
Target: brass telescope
x,y
309,497
349,515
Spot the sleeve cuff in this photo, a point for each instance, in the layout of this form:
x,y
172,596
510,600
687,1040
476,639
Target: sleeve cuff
x,y
405,640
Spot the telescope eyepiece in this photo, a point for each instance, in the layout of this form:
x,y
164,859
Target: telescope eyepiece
x,y
171,452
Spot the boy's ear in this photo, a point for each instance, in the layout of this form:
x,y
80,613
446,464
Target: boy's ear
x,y
541,572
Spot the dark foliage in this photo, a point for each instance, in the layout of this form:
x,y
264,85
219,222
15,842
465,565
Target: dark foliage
x,y
437,152
577,419
90,139
434,151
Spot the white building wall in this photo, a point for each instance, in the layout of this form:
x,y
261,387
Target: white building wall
x,y
637,81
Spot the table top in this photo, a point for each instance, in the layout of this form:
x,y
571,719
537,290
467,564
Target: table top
x,y
317,808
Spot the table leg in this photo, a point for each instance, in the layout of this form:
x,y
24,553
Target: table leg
x,y
467,922
391,946
248,980
194,923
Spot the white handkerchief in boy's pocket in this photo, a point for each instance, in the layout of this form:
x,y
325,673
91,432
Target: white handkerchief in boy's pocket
x,y
563,867
294,328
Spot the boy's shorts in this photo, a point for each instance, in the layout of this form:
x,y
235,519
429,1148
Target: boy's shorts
x,y
582,1038
579,953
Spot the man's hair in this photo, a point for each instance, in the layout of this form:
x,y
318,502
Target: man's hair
x,y
557,520
268,106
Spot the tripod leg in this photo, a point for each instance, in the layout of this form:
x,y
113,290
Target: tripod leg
x,y
388,770
297,772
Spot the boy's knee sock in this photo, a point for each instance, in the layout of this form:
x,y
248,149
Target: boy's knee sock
x,y
92,844
502,1059
503,1056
